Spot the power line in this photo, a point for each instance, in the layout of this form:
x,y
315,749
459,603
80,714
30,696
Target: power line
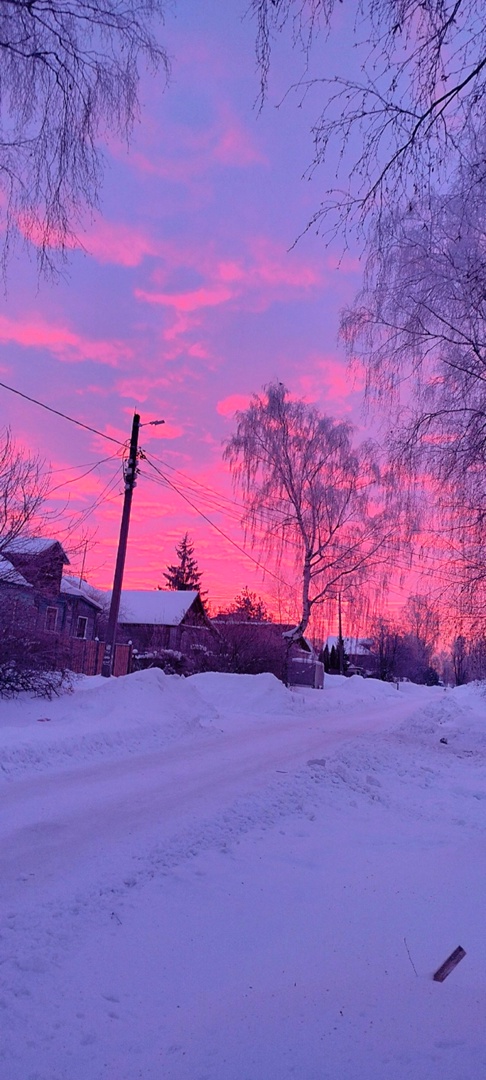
x,y
57,412
232,510
271,511
212,524
75,479
84,465
100,500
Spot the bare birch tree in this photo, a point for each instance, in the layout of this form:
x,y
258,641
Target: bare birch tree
x,y
419,326
311,493
409,140
69,77
398,128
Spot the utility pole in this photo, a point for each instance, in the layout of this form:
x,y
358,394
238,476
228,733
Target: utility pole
x,y
340,639
130,475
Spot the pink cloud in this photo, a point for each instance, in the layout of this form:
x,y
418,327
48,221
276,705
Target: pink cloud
x,y
191,153
181,172
235,146
328,378
198,351
190,301
106,241
257,278
230,271
273,266
139,388
115,242
181,325
229,405
62,342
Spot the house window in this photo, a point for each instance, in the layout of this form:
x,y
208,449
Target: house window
x,y
51,618
81,626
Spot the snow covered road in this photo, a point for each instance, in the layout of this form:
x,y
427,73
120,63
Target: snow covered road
x,y
169,849
48,823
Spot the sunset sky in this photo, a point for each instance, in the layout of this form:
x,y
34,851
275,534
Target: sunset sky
x,y
190,295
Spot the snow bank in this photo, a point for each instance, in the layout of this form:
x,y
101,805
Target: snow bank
x,y
256,696
99,718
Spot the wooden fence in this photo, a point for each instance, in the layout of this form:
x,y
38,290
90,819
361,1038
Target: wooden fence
x,y
86,657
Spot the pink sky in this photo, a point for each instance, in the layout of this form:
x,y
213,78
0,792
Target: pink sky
x,y
189,295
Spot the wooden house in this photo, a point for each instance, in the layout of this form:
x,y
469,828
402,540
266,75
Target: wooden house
x,y
33,589
159,619
17,597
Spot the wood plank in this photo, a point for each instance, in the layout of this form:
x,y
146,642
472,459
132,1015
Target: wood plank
x,y
449,964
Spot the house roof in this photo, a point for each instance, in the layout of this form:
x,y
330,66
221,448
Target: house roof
x,y
302,642
159,607
33,545
354,646
73,587
10,576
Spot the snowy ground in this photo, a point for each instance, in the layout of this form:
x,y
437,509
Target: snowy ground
x,y
219,879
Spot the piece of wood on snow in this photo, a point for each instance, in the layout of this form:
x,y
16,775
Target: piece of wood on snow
x,y
449,964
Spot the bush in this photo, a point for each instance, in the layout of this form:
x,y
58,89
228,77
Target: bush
x,y
430,677
35,664
171,661
249,648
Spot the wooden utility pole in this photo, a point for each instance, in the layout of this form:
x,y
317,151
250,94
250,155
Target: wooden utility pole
x,y
130,474
340,638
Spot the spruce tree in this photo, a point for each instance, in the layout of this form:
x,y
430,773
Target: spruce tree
x,y
185,575
247,605
324,658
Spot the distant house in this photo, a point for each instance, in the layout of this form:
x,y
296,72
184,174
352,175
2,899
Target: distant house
x,y
33,589
358,651
162,619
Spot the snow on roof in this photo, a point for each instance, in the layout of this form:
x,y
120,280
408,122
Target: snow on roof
x,y
159,607
352,645
10,575
74,587
303,642
33,545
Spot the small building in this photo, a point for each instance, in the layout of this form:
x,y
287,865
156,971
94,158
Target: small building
x,y
160,619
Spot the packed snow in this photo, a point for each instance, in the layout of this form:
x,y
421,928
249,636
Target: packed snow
x,y
217,878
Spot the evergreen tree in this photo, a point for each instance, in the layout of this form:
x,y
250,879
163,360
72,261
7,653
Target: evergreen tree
x,y
247,605
324,658
185,575
341,651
